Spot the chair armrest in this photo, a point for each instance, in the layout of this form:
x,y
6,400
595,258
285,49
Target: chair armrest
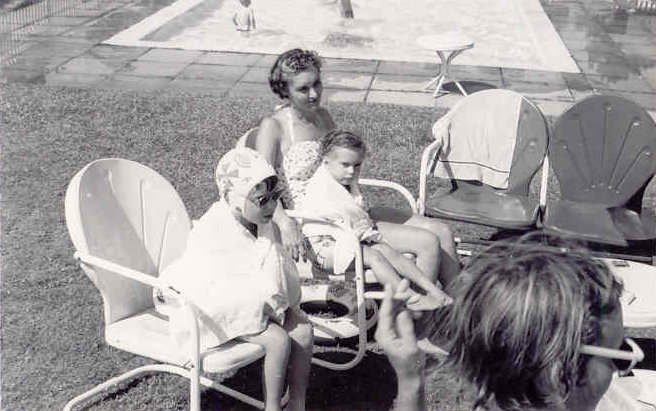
x,y
393,186
126,272
119,269
426,166
312,218
341,224
189,308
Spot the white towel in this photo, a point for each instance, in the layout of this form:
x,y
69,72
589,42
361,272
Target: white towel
x,y
327,198
478,138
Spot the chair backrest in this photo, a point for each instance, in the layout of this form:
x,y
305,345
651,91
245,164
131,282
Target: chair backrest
x,y
603,150
249,138
125,212
531,138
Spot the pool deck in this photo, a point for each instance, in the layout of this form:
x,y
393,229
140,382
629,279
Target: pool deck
x,y
615,51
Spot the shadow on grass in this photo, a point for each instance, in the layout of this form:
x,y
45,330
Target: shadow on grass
x,y
371,385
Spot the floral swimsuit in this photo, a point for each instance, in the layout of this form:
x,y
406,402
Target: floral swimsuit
x,y
297,166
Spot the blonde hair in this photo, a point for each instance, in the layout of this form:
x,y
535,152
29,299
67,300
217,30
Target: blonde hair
x,y
520,314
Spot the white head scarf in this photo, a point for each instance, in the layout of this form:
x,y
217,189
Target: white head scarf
x,y
239,171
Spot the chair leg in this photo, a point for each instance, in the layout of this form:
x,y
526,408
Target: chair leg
x,y
362,321
194,389
146,369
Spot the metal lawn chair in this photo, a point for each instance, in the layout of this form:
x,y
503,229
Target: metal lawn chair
x,y
502,206
348,326
127,224
603,154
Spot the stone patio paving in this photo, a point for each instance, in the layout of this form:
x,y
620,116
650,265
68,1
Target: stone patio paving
x,y
615,51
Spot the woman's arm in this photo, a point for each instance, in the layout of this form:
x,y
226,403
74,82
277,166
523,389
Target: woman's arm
x,y
268,144
268,140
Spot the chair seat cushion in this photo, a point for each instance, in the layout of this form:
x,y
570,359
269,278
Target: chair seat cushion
x,y
147,334
486,207
587,221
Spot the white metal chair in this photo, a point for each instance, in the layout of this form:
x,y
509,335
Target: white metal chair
x,y
127,224
357,323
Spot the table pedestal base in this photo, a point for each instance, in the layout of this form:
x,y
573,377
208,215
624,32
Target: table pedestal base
x,y
445,73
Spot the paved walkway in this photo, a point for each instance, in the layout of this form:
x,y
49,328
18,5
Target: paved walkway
x,y
615,51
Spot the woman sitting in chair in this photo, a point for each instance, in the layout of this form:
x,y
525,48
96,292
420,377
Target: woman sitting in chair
x,y
532,328
235,273
289,140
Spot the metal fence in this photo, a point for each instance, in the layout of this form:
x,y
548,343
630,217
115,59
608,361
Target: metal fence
x,y
16,23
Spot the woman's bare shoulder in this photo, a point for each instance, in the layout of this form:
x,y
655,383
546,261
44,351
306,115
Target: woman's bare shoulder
x,y
270,127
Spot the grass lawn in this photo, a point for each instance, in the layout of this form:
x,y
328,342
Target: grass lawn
x,y
52,331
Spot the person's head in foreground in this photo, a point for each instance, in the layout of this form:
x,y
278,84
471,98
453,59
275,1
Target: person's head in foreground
x,y
249,185
296,77
524,329
342,154
522,313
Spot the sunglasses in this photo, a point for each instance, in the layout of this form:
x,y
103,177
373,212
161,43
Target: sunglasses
x,y
624,360
266,199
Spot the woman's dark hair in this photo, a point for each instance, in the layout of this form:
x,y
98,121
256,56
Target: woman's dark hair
x,y
341,138
520,314
289,63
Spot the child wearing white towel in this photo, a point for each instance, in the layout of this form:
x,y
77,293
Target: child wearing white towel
x,y
333,193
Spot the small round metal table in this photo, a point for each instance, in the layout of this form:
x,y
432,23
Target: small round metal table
x,y
447,46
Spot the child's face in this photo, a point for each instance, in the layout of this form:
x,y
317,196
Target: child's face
x,y
261,204
305,89
245,3
344,164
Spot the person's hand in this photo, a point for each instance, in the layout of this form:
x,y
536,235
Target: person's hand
x,y
293,240
395,333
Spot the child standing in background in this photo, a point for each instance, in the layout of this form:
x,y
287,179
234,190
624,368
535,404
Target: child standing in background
x,y
244,18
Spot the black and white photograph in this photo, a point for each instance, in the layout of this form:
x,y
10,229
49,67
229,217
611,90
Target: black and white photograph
x,y
328,205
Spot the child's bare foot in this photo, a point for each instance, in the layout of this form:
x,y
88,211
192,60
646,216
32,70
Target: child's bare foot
x,y
427,302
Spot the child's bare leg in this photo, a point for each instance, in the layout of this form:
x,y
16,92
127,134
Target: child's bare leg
x,y
277,345
409,270
298,369
449,263
424,244
382,268
387,274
